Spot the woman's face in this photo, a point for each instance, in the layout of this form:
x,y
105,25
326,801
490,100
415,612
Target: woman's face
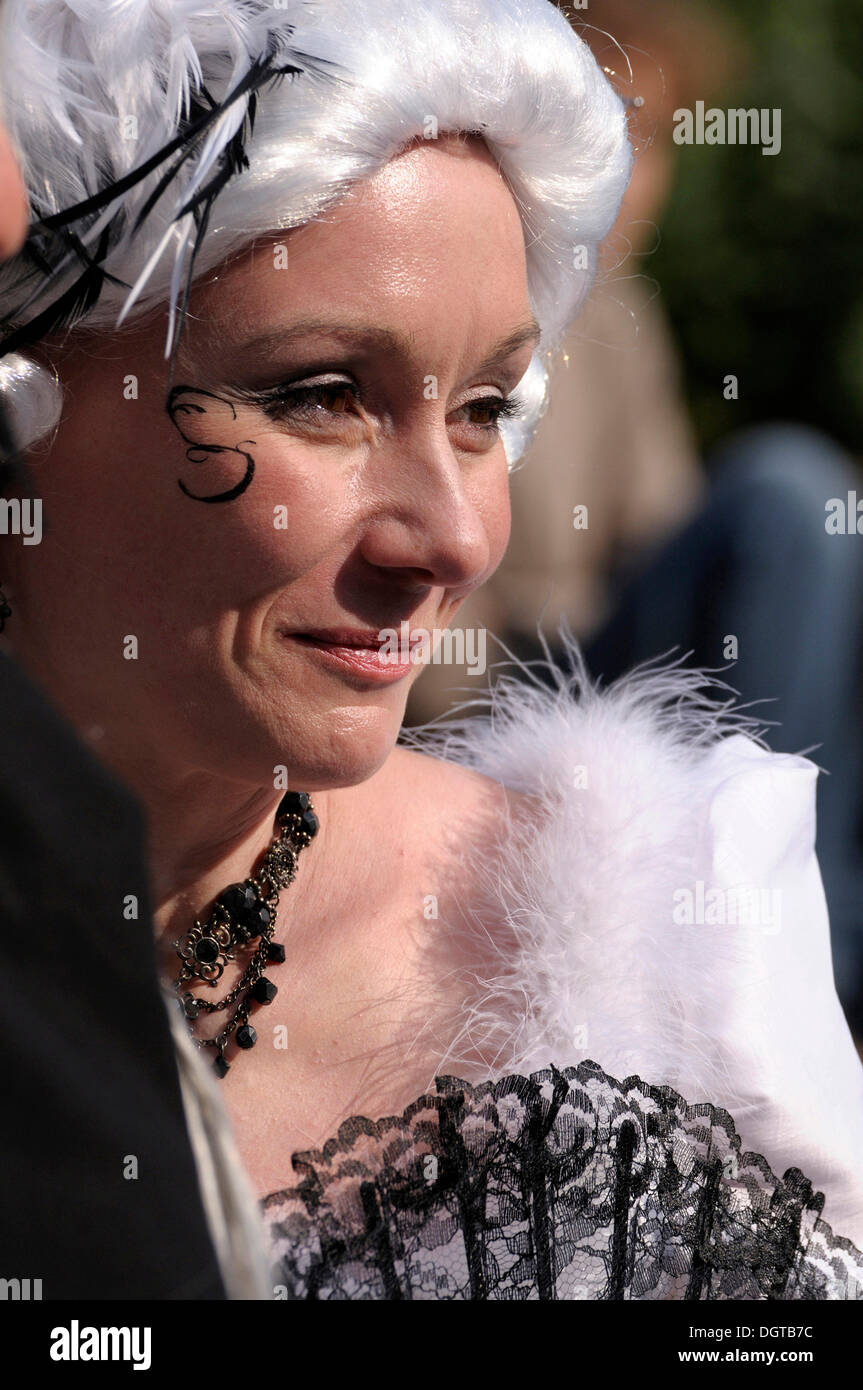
x,y
327,465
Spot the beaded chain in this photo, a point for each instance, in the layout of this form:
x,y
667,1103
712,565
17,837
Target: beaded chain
x,y
241,915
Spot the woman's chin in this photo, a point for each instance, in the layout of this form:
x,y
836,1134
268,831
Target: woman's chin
x,y
332,769
339,746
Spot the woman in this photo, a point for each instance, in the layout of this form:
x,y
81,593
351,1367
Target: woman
x,y
492,945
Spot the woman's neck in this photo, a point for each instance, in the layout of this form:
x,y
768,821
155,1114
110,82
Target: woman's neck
x,y
203,836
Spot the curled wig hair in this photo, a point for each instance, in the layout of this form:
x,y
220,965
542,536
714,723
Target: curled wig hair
x,y
158,137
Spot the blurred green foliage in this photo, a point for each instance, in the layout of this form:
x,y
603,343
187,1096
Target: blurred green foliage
x,y
760,261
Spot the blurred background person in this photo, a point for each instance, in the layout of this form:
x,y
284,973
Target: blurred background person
x,y
707,408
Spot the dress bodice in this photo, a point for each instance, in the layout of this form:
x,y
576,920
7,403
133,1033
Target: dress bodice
x,y
663,915
566,1184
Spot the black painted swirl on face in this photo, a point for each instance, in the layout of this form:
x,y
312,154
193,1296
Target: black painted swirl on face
x,y
201,418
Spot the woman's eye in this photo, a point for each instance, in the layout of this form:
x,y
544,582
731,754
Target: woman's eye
x,y
314,401
333,404
487,412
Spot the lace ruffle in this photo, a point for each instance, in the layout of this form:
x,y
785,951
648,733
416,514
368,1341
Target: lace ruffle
x,y
559,1185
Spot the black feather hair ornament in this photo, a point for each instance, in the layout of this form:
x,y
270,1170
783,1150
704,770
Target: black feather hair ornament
x,y
56,241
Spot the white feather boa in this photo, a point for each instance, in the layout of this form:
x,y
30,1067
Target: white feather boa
x,y
646,790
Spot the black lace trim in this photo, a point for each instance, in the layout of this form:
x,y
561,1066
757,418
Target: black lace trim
x,y
559,1185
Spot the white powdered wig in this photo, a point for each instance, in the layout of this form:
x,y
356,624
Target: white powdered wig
x,y
77,76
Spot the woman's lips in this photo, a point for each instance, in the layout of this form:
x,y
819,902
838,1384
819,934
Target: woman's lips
x,y
363,653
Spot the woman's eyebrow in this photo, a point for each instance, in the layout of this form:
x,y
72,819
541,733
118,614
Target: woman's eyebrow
x,y
381,339
506,346
366,333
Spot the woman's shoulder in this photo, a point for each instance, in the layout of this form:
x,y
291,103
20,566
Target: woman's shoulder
x,y
629,764
662,913
624,798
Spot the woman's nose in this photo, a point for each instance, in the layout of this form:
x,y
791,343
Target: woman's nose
x,y
434,509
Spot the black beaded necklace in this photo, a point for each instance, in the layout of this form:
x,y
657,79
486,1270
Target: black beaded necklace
x,y
240,915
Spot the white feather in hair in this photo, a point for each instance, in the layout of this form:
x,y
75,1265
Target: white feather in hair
x,y
130,85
